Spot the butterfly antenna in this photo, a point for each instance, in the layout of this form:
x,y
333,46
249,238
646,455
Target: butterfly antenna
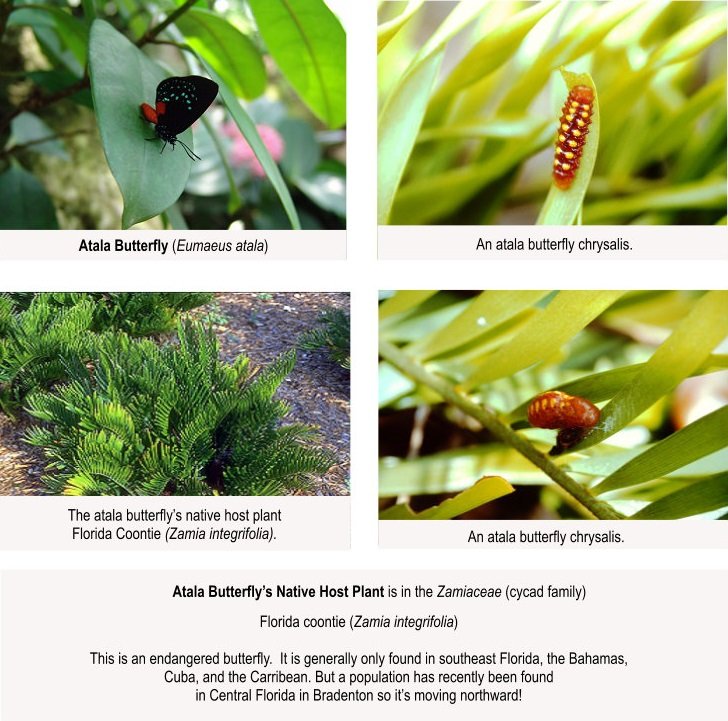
x,y
190,154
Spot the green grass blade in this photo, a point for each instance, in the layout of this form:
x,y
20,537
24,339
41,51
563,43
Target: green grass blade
x,y
484,491
687,348
542,337
562,206
700,438
700,497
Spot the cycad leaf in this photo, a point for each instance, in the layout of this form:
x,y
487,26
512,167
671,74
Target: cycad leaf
x,y
700,438
681,354
542,337
700,497
484,491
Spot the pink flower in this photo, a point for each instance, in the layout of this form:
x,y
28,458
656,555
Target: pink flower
x,y
242,155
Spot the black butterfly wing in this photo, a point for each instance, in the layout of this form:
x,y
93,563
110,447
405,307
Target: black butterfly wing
x,y
185,99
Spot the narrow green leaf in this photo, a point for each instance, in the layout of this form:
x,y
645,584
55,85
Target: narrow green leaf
x,y
484,491
679,356
453,471
484,312
700,438
690,41
403,300
562,206
386,31
399,123
308,44
542,337
700,497
122,77
248,129
491,51
233,56
708,193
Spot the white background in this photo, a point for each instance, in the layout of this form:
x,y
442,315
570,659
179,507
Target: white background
x,y
363,275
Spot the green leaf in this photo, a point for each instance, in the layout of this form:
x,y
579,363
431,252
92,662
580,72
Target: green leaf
x,y
694,441
483,313
309,46
542,337
29,128
402,301
700,497
453,471
399,123
562,206
72,31
233,56
122,77
24,202
386,31
687,348
484,491
247,128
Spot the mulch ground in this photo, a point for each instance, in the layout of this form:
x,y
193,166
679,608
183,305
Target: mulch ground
x,y
260,326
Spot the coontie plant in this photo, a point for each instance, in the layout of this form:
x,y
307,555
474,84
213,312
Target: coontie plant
x,y
41,332
141,419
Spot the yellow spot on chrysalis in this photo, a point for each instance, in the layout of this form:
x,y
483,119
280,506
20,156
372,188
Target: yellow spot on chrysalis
x,y
574,104
576,133
569,155
562,137
584,115
572,143
569,118
585,106
553,400
557,162
565,166
580,123
564,126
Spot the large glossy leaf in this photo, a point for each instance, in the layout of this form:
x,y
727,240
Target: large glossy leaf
x,y
309,46
700,497
24,203
700,438
542,337
687,348
484,490
122,77
233,56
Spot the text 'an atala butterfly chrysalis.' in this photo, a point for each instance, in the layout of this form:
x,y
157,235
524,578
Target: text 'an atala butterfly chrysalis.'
x,y
576,116
179,102
572,415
